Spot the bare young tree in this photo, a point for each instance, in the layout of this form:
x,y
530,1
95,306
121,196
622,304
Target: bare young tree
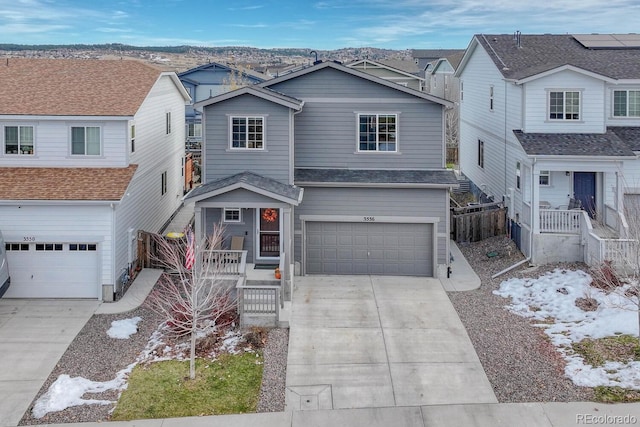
x,y
236,78
191,294
620,275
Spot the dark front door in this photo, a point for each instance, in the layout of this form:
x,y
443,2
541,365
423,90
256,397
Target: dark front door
x,y
269,233
584,189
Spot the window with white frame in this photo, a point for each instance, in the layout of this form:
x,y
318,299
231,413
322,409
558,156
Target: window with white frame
x,y
18,139
545,178
232,215
247,132
564,105
194,130
85,140
626,103
168,122
518,182
133,138
163,183
490,98
461,91
481,153
377,132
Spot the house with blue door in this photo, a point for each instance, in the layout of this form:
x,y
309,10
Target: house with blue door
x,y
550,124
328,170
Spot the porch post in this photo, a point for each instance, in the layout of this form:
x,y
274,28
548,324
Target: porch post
x,y
287,245
535,200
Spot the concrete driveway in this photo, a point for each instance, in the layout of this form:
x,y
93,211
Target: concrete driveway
x,y
373,341
34,334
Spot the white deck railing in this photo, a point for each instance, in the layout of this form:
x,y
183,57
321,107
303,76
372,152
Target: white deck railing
x,y
560,221
228,262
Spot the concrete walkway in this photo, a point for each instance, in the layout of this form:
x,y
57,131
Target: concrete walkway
x,y
462,277
34,334
373,341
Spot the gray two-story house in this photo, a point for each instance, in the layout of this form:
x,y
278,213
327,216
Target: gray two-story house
x,y
328,170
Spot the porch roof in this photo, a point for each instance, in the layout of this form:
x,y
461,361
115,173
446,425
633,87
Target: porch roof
x,y
249,181
607,144
373,177
629,134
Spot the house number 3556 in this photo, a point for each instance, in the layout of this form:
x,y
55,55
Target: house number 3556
x,y
369,218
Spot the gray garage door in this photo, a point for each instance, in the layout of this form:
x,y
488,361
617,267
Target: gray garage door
x,y
369,248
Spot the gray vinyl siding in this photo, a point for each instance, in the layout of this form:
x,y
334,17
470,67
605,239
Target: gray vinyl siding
x,y
326,131
401,202
246,229
272,161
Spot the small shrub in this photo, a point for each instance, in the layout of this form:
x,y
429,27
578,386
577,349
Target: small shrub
x,y
587,304
605,277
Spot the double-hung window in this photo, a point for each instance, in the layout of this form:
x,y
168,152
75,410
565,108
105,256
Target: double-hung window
x,y
518,182
564,105
85,140
377,132
232,215
18,139
247,132
194,130
545,178
626,103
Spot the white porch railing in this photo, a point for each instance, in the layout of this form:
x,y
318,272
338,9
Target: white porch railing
x,y
228,262
560,221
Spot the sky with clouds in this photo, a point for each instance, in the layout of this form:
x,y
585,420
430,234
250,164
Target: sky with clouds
x,y
323,24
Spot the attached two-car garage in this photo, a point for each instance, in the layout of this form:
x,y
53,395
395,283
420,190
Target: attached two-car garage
x,y
369,247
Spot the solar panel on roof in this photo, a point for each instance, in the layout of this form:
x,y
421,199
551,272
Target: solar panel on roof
x,y
608,41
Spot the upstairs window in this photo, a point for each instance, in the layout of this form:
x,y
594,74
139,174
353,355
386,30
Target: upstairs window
x,y
518,175
377,132
481,153
194,130
133,138
626,103
490,98
18,139
247,132
564,105
85,140
163,183
461,91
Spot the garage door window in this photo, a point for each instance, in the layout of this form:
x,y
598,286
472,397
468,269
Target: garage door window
x,y
82,247
16,246
48,246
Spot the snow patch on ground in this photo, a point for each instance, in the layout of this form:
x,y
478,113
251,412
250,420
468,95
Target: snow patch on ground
x,y
552,297
123,329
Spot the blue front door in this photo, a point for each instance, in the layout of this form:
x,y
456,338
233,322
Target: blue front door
x,y
584,189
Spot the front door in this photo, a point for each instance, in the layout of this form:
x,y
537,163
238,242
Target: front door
x,y
268,233
584,189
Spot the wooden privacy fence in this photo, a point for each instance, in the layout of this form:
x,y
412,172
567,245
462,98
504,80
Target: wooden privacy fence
x,y
478,222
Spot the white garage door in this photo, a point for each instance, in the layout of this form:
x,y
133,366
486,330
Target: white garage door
x,y
52,270
369,248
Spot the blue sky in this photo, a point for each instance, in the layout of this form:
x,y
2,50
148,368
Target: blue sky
x,y
324,24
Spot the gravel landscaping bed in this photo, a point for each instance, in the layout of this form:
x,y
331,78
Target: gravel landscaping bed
x,y
97,357
520,362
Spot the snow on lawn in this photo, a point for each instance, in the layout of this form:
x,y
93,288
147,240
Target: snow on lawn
x,y
123,329
552,297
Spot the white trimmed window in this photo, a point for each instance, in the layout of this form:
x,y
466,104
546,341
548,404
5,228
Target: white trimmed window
x,y
18,139
163,183
490,98
481,153
564,105
518,175
626,103
545,178
232,215
133,138
85,140
247,133
377,132
168,122
194,130
461,91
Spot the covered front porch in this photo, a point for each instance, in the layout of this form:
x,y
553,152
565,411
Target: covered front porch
x,y
574,211
256,216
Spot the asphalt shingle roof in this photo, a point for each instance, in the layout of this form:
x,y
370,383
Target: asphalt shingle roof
x,y
74,87
29,183
540,53
574,144
252,179
630,135
359,176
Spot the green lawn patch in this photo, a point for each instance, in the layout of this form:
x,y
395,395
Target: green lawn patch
x,y
229,385
619,348
616,395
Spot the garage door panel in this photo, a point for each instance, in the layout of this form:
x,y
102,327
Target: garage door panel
x,y
369,248
60,273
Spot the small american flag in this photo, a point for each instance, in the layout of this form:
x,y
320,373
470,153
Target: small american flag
x,y
190,256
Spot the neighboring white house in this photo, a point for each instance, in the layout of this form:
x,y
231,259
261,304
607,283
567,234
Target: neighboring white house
x,y
92,152
549,122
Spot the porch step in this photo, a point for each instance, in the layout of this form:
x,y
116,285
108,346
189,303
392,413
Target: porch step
x,y
262,282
